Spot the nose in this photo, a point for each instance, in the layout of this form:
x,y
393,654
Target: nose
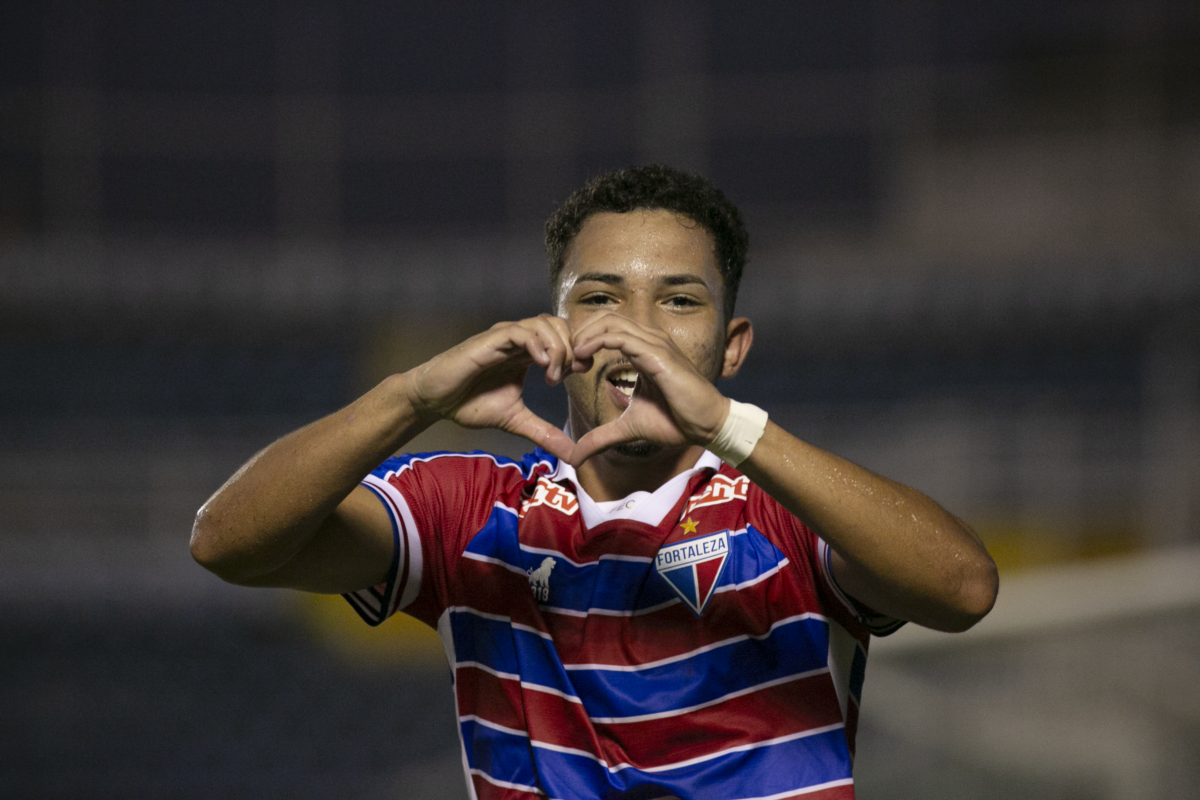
x,y
641,309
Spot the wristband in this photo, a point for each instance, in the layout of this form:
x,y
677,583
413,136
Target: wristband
x,y
743,428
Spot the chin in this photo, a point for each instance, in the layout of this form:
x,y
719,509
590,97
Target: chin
x,y
639,449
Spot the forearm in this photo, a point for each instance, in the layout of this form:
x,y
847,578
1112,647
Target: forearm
x,y
902,553
272,507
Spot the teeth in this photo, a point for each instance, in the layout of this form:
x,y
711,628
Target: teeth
x,y
625,380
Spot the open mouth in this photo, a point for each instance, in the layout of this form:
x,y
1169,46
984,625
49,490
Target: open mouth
x,y
625,379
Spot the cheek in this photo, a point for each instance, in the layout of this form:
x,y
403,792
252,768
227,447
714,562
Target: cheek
x,y
705,353
576,385
702,347
712,360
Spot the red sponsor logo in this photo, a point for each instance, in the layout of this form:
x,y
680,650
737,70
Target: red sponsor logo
x,y
550,494
719,490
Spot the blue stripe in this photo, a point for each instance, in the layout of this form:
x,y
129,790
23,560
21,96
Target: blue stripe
x,y
750,555
610,584
486,641
501,755
498,538
792,648
858,671
795,647
498,645
613,584
786,766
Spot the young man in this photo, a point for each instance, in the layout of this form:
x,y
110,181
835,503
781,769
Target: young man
x,y
675,596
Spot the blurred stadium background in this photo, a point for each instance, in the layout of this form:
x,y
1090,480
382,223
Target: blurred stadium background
x,y
975,268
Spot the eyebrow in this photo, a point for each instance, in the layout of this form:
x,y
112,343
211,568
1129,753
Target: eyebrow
x,y
600,277
684,278
678,279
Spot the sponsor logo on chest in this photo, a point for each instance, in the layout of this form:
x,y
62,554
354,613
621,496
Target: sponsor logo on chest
x,y
550,494
693,567
719,490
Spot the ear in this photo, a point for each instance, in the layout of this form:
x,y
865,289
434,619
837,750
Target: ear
x,y
739,335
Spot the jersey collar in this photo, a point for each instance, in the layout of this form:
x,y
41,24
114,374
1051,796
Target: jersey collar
x,y
649,508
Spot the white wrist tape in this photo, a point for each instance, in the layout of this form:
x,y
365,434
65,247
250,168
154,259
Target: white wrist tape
x,y
742,429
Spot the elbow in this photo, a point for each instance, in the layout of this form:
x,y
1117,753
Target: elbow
x,y
976,596
208,551
203,544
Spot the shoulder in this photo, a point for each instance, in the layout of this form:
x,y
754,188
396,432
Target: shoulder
x,y
458,465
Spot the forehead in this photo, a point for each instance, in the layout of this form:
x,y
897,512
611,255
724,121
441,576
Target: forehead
x,y
642,245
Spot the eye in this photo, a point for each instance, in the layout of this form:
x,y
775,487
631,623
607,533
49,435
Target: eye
x,y
682,301
596,300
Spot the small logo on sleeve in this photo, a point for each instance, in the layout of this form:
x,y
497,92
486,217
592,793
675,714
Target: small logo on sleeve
x,y
693,567
539,579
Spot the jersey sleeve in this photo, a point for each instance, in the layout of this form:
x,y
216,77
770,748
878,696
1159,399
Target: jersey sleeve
x,y
813,554
435,502
878,624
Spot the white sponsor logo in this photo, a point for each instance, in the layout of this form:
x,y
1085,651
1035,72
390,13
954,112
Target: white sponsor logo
x,y
550,494
720,490
539,579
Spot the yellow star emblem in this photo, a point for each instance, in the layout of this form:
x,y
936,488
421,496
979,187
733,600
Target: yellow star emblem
x,y
689,526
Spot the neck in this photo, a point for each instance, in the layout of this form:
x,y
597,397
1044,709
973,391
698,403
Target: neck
x,y
611,476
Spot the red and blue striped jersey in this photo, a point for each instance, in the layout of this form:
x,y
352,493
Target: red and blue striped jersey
x,y
688,643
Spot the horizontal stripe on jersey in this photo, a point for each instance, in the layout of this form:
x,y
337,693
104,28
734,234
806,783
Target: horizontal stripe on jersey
x,y
782,765
740,718
790,649
614,586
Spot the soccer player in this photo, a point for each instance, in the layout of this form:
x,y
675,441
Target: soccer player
x,y
672,597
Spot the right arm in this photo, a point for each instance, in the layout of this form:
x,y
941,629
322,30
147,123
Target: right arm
x,y
294,515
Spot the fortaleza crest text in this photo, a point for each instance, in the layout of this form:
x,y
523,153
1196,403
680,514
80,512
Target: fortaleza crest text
x,y
693,567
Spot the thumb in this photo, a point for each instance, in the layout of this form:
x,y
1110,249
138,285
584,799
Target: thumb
x,y
544,435
598,439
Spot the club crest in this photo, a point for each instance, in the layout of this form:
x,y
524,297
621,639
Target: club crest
x,y
693,567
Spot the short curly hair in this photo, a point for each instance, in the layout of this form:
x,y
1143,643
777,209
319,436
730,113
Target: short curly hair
x,y
655,187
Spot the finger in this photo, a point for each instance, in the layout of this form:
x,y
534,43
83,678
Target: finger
x,y
610,321
543,434
523,337
646,355
571,362
585,339
599,439
558,348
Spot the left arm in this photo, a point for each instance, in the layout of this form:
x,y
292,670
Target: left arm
x,y
894,549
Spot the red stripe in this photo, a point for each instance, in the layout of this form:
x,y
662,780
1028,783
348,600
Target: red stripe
x,y
636,538
489,791
492,589
767,714
485,695
832,793
555,720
